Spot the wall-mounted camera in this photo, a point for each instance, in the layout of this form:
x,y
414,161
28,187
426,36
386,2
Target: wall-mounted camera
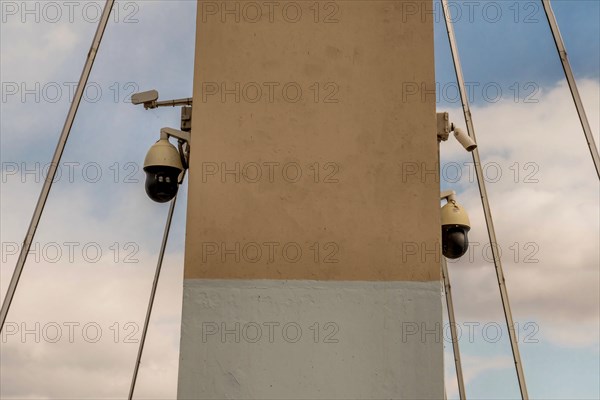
x,y
165,164
444,127
455,227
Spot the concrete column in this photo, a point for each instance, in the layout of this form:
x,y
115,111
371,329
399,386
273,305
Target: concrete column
x,y
311,265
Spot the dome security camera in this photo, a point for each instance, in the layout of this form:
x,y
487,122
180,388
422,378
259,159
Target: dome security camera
x,y
455,228
163,167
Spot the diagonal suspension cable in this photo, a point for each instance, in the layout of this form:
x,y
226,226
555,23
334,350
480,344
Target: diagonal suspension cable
x,y
452,322
562,54
486,205
161,255
39,208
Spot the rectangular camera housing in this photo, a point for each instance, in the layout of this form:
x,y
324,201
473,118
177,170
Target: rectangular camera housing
x,y
144,97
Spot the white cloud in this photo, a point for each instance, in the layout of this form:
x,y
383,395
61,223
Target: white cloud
x,y
73,288
547,225
559,214
473,367
98,214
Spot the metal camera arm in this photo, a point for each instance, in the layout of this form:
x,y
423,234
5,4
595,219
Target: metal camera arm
x,y
449,195
166,133
168,103
183,139
150,97
149,100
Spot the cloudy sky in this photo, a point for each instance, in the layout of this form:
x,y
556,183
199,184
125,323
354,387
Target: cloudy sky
x,y
79,309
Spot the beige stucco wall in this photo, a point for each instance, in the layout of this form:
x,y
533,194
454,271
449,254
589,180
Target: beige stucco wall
x,y
313,210
353,123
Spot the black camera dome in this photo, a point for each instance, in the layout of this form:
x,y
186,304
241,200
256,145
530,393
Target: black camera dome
x,y
455,241
161,183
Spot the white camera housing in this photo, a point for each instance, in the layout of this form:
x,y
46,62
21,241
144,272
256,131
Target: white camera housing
x,y
464,139
144,97
444,127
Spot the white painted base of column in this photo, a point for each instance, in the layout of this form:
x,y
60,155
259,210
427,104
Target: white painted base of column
x,y
266,339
